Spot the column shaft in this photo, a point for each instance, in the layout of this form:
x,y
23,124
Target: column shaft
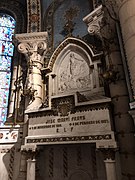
x,y
110,169
31,169
127,21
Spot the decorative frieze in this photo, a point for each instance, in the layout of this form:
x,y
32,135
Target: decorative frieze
x,y
7,135
55,140
34,16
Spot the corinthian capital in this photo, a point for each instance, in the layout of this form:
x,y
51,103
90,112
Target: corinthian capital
x,y
93,21
32,42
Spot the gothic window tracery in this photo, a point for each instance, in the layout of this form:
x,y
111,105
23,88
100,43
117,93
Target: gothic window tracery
x,y
7,28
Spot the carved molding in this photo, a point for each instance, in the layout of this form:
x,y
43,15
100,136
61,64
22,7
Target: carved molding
x,y
66,42
93,21
90,138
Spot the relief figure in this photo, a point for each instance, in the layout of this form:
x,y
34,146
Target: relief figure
x,y
74,74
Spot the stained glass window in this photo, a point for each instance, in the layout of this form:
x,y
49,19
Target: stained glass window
x,y
7,27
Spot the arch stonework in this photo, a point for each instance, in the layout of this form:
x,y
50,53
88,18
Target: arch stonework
x,y
18,11
74,67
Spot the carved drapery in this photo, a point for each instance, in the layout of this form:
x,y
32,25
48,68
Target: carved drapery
x,y
33,46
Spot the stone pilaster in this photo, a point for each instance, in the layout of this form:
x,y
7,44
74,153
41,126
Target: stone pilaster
x,y
33,46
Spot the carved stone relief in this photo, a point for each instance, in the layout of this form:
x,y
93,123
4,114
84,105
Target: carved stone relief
x,y
74,68
74,73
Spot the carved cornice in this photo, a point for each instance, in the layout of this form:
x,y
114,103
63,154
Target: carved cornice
x,y
32,36
93,21
70,107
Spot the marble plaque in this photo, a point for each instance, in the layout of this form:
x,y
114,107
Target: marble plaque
x,y
91,126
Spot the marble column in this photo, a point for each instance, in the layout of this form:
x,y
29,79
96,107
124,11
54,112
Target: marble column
x,y
33,46
110,169
126,14
31,169
110,163
30,152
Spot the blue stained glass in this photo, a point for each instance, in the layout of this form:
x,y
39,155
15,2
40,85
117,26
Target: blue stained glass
x,y
6,48
7,27
3,114
7,21
5,63
6,33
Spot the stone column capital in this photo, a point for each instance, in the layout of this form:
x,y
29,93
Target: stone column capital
x,y
108,153
93,21
32,42
30,151
29,148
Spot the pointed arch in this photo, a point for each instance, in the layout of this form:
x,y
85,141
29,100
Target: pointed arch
x,y
74,67
72,42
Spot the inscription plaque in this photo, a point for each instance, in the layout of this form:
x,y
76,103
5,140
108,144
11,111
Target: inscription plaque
x,y
88,126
